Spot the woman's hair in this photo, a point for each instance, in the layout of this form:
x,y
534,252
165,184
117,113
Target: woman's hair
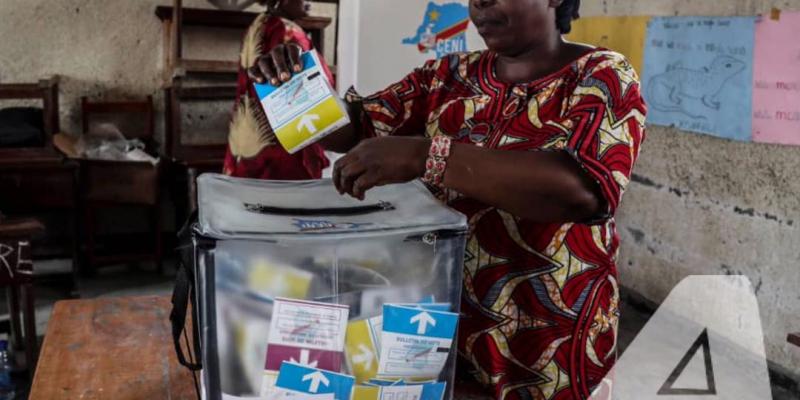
x,y
566,13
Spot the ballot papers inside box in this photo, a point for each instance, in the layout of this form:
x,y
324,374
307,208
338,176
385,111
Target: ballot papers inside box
x,y
287,273
305,109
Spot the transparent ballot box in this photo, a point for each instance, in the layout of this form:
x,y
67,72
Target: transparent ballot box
x,y
307,294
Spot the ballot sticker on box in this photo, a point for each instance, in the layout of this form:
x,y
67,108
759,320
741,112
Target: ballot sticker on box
x,y
415,342
305,109
305,379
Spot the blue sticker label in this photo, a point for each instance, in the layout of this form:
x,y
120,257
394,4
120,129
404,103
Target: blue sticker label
x,y
309,380
433,391
420,322
317,225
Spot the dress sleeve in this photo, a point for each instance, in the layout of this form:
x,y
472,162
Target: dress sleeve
x,y
604,125
402,108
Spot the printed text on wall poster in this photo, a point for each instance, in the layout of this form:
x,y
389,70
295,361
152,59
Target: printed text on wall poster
x,y
776,80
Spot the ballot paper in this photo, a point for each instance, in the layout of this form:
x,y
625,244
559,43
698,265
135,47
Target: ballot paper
x,y
307,333
415,342
304,379
291,395
427,391
362,347
305,109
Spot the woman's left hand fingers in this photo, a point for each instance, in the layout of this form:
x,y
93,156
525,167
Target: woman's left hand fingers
x,y
347,170
365,182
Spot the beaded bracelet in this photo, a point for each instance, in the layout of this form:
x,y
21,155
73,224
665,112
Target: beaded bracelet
x,y
436,163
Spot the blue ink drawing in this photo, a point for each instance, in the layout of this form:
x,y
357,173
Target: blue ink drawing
x,y
698,74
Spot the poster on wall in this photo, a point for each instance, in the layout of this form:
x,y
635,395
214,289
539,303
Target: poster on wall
x,y
776,80
380,42
624,35
698,74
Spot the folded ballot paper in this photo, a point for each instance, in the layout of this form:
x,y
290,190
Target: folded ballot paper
x,y
305,109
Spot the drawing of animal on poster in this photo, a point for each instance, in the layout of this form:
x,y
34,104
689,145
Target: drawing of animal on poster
x,y
698,74
669,90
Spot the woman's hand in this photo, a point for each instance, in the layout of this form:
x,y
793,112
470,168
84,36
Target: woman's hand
x,y
380,161
278,65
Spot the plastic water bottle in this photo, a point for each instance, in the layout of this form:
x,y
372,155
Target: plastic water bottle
x,y
6,385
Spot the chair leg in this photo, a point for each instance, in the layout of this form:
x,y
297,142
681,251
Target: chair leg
x,y
31,339
159,250
14,312
89,237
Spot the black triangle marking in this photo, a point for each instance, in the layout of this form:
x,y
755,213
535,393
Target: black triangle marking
x,y
667,389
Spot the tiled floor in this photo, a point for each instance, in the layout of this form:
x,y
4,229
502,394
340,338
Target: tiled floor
x,y
135,281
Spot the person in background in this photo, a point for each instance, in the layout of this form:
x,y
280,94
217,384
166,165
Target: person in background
x,y
253,151
534,140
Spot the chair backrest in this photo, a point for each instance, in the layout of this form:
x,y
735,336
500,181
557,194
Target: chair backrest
x,y
134,119
45,91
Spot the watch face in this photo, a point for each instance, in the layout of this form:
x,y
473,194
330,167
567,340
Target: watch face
x,y
232,4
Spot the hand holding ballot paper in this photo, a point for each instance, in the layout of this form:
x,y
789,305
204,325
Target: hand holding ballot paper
x,y
305,109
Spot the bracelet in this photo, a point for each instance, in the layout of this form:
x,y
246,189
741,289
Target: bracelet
x,y
436,163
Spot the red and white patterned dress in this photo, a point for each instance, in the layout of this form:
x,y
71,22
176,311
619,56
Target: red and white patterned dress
x,y
540,300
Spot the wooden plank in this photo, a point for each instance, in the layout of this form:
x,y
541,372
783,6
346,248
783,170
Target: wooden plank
x,y
229,19
20,228
114,348
794,338
227,92
189,66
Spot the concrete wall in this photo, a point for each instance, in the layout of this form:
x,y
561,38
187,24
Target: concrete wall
x,y
700,205
105,48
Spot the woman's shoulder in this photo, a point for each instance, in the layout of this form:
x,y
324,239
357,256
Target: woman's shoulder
x,y
598,59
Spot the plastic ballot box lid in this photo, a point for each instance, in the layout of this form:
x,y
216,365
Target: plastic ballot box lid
x,y
236,208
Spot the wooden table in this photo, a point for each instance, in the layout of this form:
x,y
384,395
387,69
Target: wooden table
x,y
121,348
112,348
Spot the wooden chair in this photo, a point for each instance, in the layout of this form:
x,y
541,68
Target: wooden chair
x,y
16,273
794,338
121,183
39,181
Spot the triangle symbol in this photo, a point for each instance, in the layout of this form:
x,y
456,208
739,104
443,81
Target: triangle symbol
x,y
508,139
690,363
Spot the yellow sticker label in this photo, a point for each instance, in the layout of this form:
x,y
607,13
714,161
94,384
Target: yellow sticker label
x,y
361,348
366,393
317,121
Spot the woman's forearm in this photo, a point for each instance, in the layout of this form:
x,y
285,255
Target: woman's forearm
x,y
536,185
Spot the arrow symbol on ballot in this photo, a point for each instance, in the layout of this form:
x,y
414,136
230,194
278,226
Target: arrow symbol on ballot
x,y
304,356
365,357
307,122
423,319
316,379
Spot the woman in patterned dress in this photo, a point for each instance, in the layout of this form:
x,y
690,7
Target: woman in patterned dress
x,y
534,140
253,151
